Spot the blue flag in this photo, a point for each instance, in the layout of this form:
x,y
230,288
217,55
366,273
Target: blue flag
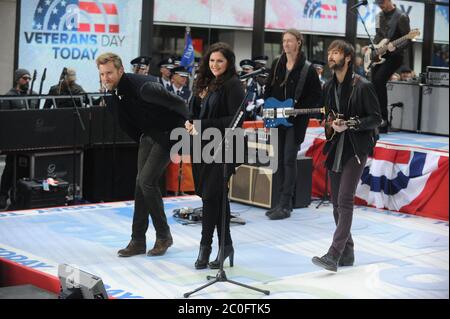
x,y
187,60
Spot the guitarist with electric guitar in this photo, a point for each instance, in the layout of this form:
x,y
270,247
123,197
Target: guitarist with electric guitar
x,y
393,35
352,121
294,80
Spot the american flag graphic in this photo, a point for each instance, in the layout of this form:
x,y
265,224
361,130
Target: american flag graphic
x,y
81,16
320,9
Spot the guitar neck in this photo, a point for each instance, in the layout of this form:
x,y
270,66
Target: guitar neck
x,y
296,112
395,43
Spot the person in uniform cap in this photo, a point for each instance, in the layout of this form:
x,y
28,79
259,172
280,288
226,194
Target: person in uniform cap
x,y
179,80
177,60
250,84
164,68
260,61
141,64
247,65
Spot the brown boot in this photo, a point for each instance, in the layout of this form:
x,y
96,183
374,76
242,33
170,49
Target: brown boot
x,y
161,246
134,248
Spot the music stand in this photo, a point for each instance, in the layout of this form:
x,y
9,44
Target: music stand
x,y
221,276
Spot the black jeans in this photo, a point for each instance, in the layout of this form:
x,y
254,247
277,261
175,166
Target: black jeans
x,y
287,166
153,158
213,207
381,74
343,188
7,176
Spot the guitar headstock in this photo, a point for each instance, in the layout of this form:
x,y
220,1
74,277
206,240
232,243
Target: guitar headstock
x,y
414,33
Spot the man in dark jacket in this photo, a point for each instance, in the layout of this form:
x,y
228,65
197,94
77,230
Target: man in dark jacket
x,y
283,83
391,24
21,86
147,113
67,86
356,133
22,79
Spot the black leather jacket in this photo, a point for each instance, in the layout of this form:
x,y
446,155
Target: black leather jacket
x,y
362,102
144,106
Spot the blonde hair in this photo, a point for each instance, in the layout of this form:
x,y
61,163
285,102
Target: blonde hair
x,y
109,57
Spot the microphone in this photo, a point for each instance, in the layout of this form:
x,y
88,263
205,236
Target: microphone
x,y
398,104
362,3
63,74
252,74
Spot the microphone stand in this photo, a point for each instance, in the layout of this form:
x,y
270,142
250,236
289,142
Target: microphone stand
x,y
76,113
371,44
221,276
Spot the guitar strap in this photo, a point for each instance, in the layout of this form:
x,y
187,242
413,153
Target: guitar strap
x,y
301,81
337,163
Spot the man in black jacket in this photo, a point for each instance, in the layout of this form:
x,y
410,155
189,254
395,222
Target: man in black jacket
x,y
147,113
22,79
391,24
355,98
282,84
67,86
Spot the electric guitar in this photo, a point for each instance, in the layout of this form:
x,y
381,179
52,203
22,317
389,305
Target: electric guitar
x,y
330,133
374,57
275,112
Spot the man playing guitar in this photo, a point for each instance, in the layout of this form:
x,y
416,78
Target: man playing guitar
x,y
354,138
391,23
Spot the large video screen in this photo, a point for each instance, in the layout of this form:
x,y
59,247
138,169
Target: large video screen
x,y
67,33
221,13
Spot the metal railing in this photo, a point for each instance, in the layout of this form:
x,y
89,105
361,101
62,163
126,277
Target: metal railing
x,y
85,100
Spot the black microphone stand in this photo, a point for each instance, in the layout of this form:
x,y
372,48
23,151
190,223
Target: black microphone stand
x,y
325,200
76,113
221,276
371,45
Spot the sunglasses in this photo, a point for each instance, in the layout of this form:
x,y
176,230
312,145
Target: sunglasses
x,y
27,78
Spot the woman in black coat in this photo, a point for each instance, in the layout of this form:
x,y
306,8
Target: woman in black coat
x,y
218,94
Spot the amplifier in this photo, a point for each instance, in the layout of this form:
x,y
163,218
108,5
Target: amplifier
x,y
31,194
58,164
437,75
259,186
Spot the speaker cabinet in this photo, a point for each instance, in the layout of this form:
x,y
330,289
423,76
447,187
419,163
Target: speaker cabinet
x,y
259,186
59,164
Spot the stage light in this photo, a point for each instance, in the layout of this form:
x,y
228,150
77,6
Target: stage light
x,y
78,284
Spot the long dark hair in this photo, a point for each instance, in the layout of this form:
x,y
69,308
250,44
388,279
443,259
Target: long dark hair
x,y
205,78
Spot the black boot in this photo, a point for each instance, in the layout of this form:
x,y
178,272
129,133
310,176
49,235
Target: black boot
x,y
280,213
229,252
3,201
133,248
272,210
203,257
347,258
327,261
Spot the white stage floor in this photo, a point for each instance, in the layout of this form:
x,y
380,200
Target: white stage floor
x,y
397,255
